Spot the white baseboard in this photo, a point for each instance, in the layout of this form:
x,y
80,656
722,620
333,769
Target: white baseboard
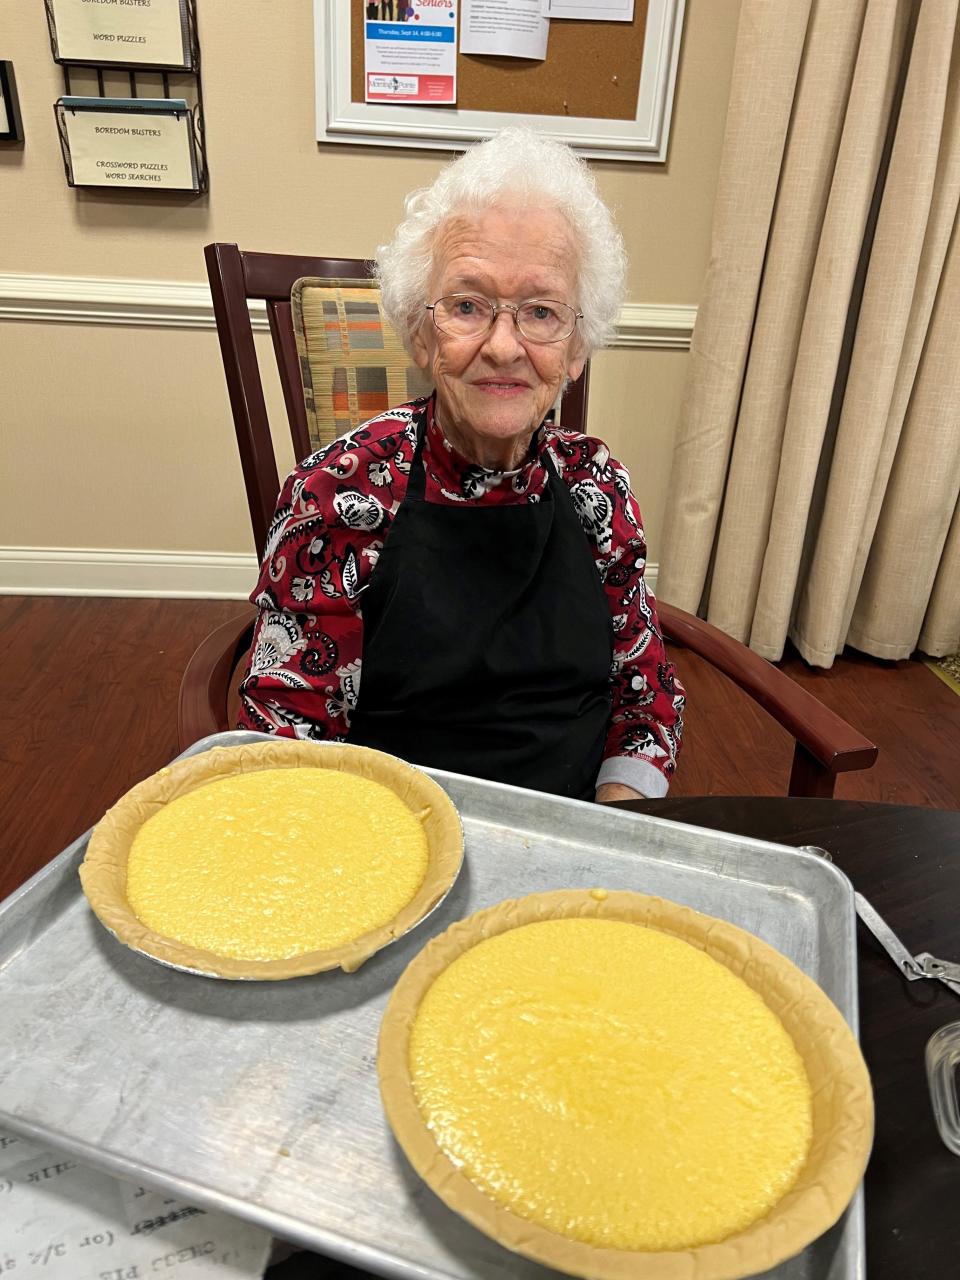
x,y
175,304
58,571
185,575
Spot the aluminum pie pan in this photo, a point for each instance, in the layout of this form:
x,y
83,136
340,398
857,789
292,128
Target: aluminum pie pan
x,y
103,872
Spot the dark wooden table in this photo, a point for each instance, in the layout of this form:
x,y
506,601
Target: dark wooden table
x,y
907,862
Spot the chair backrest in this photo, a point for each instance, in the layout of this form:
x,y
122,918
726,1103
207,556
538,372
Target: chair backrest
x,y
238,277
352,362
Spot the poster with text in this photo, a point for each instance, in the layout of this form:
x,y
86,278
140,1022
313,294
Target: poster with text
x,y
410,51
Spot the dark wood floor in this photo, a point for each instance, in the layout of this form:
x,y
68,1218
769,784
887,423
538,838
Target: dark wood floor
x,y
89,700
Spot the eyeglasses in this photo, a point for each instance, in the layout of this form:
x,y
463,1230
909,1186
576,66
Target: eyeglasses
x,y
463,315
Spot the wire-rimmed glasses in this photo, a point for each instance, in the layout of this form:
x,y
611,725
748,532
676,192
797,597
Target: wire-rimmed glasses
x,y
465,315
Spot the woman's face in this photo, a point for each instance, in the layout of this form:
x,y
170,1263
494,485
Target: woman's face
x,y
493,391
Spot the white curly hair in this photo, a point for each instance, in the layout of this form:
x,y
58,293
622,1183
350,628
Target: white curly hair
x,y
515,164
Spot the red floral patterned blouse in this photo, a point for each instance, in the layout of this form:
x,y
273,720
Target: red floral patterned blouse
x,y
334,513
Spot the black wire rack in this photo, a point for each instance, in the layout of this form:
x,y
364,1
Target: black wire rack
x,y
131,79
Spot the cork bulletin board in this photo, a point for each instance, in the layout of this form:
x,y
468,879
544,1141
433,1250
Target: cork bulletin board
x,y
592,70
605,87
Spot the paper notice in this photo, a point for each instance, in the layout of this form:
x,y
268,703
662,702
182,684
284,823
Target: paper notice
x,y
410,51
589,10
60,1220
509,28
131,149
146,33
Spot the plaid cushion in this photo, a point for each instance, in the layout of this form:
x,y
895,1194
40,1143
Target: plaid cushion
x,y
352,364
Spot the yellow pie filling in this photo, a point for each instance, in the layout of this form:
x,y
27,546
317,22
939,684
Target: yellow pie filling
x,y
273,864
611,1083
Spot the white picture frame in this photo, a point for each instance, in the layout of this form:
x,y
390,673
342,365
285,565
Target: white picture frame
x,y
644,138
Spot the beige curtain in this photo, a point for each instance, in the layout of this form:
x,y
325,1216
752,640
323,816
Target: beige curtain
x,y
817,469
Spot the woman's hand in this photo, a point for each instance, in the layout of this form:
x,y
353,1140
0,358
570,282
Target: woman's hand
x,y
611,791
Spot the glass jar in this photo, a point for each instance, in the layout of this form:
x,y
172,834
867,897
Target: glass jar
x,y
943,1059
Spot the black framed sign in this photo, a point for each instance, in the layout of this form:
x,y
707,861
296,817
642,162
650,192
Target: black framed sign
x,y
11,126
124,33
147,144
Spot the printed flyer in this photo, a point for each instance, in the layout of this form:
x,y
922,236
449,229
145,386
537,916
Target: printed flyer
x,y
410,51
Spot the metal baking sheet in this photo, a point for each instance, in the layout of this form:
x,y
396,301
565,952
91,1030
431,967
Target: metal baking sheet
x,y
260,1099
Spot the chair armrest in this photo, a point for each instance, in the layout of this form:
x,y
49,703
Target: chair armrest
x,y
205,686
835,745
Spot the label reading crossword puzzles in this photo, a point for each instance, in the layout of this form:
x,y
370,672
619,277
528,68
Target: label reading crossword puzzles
x,y
121,149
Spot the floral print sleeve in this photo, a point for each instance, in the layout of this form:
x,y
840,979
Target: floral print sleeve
x,y
646,725
332,517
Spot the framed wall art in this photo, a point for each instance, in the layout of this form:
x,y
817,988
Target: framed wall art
x,y
606,88
11,126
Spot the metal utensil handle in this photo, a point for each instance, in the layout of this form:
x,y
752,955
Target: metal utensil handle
x,y
921,965
946,970
894,948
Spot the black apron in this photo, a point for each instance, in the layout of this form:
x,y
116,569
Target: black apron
x,y
487,641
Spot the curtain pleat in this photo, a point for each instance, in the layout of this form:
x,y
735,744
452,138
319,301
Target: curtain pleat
x,y
808,163
886,351
770,35
941,626
921,495
817,465
810,428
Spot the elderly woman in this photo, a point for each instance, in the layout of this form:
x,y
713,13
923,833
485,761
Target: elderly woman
x,y
458,581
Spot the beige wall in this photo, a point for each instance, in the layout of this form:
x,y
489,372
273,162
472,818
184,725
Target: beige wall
x,y
120,437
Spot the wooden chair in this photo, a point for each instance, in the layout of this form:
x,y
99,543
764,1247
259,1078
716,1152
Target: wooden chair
x,y
825,744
